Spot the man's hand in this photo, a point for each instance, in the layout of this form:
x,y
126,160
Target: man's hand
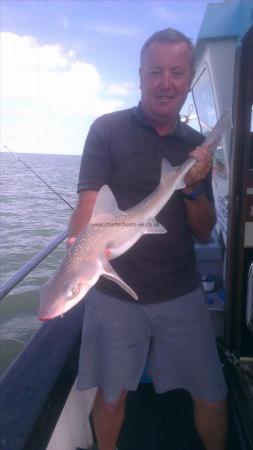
x,y
200,169
201,212
81,215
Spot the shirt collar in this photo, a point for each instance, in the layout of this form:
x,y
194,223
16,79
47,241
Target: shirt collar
x,y
179,131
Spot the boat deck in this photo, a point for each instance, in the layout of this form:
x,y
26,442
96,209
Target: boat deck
x,y
159,421
163,422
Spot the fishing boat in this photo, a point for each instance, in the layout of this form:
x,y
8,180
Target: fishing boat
x,y
40,407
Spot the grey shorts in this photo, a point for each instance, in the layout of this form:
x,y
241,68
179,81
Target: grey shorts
x,y
174,340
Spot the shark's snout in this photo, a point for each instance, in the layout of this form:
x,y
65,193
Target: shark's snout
x,y
44,319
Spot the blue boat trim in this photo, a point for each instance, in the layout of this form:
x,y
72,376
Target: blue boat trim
x,y
35,388
227,20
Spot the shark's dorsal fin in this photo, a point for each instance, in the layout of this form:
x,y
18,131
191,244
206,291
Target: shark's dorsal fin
x,y
109,272
169,172
166,168
105,206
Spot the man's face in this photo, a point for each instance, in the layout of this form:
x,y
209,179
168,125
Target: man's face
x,y
165,78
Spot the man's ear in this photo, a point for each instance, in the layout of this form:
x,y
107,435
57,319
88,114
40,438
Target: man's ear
x,y
141,77
192,76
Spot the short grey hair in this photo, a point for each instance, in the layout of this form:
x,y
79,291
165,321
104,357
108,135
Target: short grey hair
x,y
171,36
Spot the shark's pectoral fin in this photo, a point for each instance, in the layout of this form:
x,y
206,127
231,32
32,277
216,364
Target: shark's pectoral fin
x,y
154,227
109,272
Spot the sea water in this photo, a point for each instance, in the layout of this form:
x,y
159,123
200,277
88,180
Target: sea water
x,y
31,215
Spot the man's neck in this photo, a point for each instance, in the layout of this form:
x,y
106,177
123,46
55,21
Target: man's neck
x,y
163,125
163,130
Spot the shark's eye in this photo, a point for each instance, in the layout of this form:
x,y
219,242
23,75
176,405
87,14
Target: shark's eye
x,y
73,291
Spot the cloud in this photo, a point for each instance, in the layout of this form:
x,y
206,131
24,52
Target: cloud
x,y
48,75
111,30
64,23
176,14
121,89
165,13
47,92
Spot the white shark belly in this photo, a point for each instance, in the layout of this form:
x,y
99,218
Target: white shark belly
x,y
123,240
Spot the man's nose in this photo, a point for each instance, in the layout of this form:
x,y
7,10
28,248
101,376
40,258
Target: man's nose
x,y
166,81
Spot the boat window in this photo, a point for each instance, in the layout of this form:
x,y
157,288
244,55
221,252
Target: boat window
x,y
205,106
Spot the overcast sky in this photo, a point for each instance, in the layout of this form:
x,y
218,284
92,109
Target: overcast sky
x,y
64,63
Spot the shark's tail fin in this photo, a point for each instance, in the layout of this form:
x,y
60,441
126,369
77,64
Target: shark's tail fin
x,y
224,124
174,176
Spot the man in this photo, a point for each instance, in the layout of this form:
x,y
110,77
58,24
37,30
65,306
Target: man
x,y
169,327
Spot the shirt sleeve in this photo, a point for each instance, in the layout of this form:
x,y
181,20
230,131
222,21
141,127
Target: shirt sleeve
x,y
95,168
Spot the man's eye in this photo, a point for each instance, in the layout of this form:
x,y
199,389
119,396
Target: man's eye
x,y
177,74
155,73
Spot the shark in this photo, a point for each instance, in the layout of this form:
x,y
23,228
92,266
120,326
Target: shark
x,y
110,232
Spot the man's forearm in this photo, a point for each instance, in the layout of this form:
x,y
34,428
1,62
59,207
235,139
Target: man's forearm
x,y
81,215
201,217
77,222
200,211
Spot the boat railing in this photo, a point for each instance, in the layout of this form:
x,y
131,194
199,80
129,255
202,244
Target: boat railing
x,y
30,265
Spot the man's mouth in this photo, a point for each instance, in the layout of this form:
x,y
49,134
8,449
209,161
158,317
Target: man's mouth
x,y
164,98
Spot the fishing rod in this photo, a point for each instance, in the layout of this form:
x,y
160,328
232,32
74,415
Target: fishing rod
x,y
38,176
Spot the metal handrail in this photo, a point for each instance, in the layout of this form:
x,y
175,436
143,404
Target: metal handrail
x,y
30,265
